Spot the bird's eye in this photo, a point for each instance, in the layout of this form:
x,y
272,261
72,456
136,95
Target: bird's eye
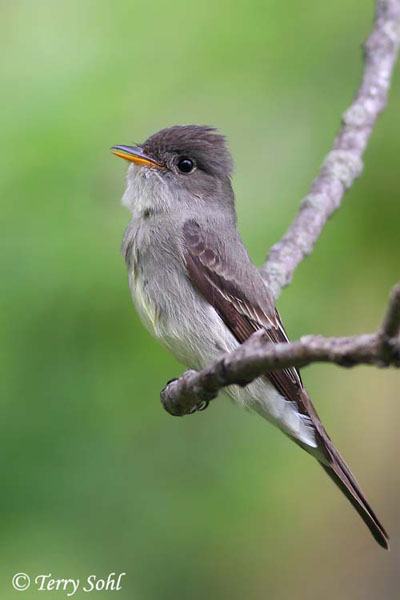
x,y
185,165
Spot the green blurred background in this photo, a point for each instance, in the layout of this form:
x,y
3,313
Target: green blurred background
x,y
95,477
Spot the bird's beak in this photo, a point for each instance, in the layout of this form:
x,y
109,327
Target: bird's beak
x,y
134,154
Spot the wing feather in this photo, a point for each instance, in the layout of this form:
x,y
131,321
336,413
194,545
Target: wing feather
x,y
233,286
245,306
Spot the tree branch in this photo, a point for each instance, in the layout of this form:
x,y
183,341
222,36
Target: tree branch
x,y
341,167
391,323
257,356
344,163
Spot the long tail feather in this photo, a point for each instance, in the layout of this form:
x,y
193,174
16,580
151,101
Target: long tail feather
x,y
334,465
339,472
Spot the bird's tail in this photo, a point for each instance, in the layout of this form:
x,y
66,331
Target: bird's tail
x,y
334,465
339,472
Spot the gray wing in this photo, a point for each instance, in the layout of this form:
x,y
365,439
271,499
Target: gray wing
x,y
233,286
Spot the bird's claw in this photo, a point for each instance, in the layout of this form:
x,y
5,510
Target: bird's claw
x,y
199,407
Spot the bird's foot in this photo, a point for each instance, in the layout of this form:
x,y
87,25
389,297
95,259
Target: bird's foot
x,y
180,407
199,407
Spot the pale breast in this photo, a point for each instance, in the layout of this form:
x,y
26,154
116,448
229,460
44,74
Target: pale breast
x,y
189,327
147,309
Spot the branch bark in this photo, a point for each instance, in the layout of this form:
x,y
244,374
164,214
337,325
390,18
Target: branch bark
x,y
344,163
340,168
257,356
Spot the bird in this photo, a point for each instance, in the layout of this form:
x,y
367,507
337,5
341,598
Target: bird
x,y
199,294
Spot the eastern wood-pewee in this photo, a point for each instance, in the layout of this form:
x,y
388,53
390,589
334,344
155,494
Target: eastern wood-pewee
x,y
197,291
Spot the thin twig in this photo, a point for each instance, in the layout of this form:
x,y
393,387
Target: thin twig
x,y
344,163
391,322
389,333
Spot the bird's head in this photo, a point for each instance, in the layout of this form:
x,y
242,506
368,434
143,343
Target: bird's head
x,y
177,167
